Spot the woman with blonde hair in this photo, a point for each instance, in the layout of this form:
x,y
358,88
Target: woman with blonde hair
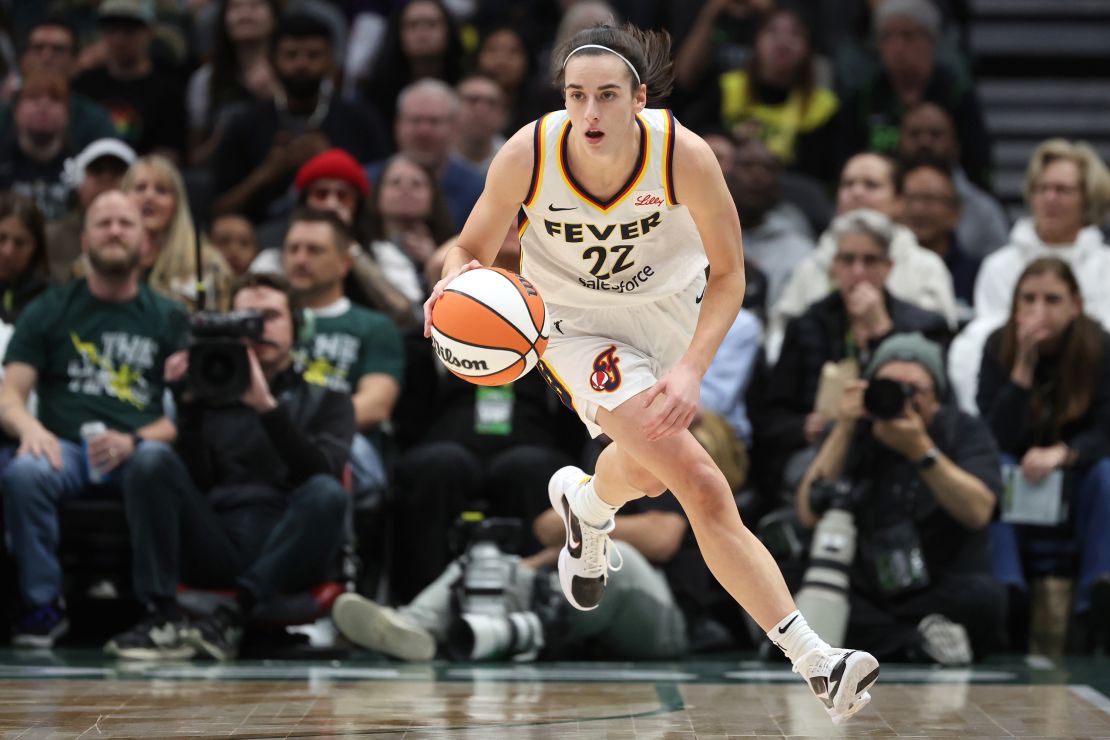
x,y
1067,189
168,259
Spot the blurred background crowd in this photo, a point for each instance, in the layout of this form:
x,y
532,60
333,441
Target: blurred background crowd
x,y
923,191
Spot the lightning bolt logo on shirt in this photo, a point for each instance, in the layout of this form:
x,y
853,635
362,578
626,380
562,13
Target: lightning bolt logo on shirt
x,y
123,383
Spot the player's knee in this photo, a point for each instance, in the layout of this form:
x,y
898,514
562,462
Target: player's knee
x,y
639,479
707,490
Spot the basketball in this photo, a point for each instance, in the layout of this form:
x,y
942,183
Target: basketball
x,y
490,327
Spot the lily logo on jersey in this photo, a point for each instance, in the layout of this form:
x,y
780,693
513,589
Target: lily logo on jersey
x,y
647,199
606,375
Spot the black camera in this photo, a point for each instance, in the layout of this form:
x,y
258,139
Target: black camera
x,y
886,399
839,494
473,527
219,368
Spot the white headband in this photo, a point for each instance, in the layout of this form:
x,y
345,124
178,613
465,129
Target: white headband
x,y
604,48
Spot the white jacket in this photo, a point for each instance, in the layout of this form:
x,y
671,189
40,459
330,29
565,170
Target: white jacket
x,y
918,276
1089,259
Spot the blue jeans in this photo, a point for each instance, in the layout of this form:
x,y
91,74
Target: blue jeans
x,y
1090,511
367,468
33,491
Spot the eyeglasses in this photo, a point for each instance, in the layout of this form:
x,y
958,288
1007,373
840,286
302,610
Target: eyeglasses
x,y
847,259
1044,188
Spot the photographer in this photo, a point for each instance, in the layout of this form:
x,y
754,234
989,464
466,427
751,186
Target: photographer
x,y
92,350
489,605
249,496
924,480
844,328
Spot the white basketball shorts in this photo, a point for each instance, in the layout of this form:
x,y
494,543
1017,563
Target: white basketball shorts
x,y
601,357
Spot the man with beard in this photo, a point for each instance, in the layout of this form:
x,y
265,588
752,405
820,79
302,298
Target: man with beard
x,y
353,350
267,143
94,351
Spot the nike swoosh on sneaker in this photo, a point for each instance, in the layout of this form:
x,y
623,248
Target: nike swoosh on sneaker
x,y
574,544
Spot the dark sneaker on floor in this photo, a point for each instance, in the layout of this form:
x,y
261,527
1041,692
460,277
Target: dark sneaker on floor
x,y
157,637
218,635
41,626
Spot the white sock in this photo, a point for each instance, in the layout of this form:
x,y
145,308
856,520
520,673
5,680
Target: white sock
x,y
589,507
794,637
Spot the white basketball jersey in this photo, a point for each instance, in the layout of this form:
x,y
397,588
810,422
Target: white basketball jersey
x,y
636,247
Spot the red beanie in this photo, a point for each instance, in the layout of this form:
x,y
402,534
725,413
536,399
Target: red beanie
x,y
334,163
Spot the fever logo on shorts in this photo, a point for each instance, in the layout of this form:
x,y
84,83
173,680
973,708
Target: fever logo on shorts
x,y
606,376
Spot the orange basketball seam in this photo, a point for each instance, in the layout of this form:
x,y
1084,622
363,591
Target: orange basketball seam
x,y
527,304
496,313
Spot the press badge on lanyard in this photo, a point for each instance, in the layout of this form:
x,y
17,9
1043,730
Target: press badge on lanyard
x,y
493,410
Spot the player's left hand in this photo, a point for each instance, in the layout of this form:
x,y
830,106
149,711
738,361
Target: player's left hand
x,y
680,389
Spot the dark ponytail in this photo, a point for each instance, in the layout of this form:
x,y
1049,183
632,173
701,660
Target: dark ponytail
x,y
648,51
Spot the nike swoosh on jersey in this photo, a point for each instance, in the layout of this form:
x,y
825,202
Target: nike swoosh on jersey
x,y
553,208
700,296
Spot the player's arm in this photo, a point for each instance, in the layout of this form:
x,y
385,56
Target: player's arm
x,y
700,185
507,181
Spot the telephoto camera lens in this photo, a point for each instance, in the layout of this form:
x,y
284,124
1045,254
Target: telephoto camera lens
x,y
823,597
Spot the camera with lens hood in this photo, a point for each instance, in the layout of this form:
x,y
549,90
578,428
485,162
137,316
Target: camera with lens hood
x,y
823,596
886,399
219,367
490,622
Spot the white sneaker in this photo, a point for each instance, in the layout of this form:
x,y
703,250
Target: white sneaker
x,y
584,561
839,679
945,641
380,628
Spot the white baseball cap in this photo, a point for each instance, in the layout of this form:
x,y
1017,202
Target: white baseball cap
x,y
75,167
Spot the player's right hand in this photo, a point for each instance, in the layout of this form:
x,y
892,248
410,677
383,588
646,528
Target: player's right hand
x,y
437,292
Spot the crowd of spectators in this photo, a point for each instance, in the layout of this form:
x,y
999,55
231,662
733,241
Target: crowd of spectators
x,y
317,157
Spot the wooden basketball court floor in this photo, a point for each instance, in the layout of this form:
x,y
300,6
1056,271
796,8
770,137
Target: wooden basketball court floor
x,y
77,693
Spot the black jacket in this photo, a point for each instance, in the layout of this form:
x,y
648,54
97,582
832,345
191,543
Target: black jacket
x,y
240,456
1006,407
812,339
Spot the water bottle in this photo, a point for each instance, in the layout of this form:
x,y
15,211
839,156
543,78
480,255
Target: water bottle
x,y
90,430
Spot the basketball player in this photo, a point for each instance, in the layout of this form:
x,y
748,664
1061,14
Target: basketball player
x,y
625,208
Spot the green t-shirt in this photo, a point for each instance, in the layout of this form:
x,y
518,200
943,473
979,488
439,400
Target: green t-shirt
x,y
348,343
97,360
